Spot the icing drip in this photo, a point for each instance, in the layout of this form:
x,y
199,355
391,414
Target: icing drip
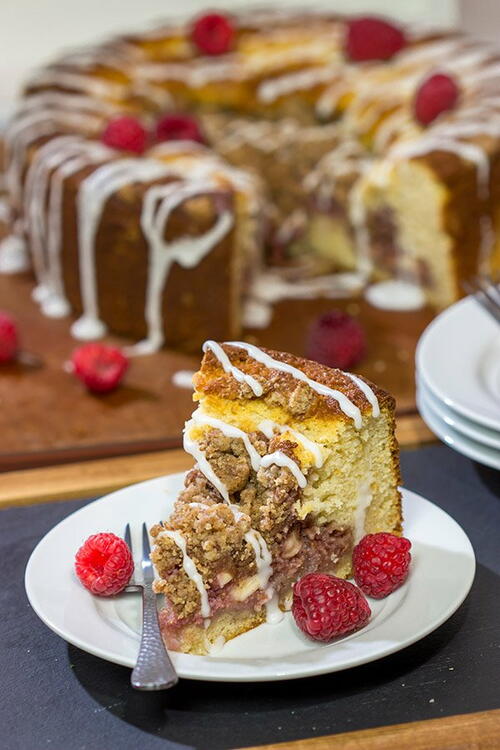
x,y
395,294
237,374
367,391
256,460
92,195
13,254
200,418
190,570
281,459
183,379
347,406
364,499
268,427
186,251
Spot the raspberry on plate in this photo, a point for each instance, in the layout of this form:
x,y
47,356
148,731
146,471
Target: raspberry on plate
x,y
100,367
337,340
381,563
437,94
126,134
371,38
325,607
104,564
213,33
9,342
178,128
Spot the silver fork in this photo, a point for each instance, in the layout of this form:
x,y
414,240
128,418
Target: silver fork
x,y
154,669
486,292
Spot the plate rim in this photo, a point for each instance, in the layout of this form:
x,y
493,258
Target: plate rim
x,y
460,423
301,671
429,331
455,439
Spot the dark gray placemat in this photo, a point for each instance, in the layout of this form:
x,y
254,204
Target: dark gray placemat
x,y
55,696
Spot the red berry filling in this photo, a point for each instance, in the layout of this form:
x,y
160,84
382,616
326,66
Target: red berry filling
x,y
104,564
371,38
100,367
325,607
337,340
381,563
178,128
213,34
126,134
437,94
8,338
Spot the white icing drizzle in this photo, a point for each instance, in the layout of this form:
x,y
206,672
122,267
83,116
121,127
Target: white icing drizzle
x,y
199,417
237,374
192,447
395,294
347,406
186,251
281,459
367,391
273,88
363,503
268,428
190,569
91,84
183,379
92,195
13,254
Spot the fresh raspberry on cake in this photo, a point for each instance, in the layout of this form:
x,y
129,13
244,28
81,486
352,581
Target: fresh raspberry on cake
x,y
213,34
104,564
100,367
437,94
178,128
325,607
371,38
381,563
126,134
8,338
337,340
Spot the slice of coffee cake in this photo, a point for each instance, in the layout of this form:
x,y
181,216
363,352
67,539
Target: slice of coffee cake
x,y
295,463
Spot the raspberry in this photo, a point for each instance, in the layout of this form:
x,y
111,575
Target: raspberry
x,y
371,38
98,366
325,607
126,134
337,340
381,563
178,128
104,564
8,338
437,94
213,34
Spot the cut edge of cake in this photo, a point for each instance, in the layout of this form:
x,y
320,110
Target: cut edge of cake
x,y
295,463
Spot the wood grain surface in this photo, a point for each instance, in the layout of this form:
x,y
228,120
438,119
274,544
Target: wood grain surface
x,y
477,731
47,417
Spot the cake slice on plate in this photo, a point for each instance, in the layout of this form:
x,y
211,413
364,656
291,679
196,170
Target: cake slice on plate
x,y
295,463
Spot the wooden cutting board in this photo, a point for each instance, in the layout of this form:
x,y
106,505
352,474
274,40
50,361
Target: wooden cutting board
x,y
47,417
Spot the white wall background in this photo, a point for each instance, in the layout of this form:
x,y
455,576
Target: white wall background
x,y
32,31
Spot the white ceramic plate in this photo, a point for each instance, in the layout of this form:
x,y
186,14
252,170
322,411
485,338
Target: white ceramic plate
x,y
461,424
464,445
441,576
458,356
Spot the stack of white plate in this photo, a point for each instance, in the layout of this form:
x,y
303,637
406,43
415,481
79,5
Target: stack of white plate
x,y
458,380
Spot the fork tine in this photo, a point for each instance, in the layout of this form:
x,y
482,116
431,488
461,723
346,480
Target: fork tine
x,y
476,289
146,549
490,289
128,537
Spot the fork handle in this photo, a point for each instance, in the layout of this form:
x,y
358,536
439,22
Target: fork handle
x,y
154,669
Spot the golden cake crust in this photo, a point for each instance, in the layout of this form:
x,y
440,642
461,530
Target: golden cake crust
x,y
295,395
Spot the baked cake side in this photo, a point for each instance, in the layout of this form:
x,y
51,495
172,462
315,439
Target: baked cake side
x,y
295,463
